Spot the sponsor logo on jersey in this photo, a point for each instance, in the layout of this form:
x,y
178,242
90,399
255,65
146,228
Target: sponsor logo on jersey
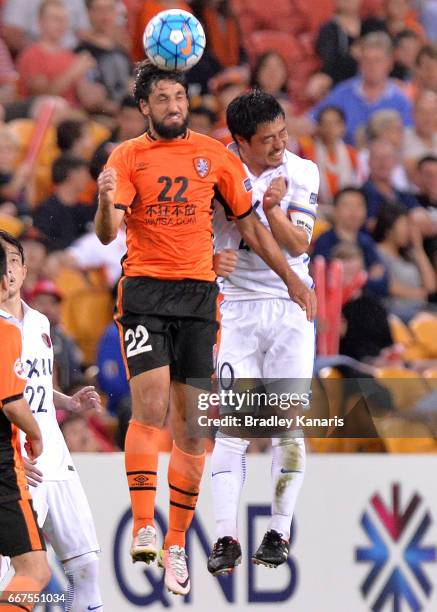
x,y
19,369
202,166
247,184
46,340
313,199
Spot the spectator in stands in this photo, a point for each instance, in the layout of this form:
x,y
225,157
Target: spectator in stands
x,y
80,438
406,47
113,65
14,178
270,74
73,138
349,217
400,246
202,120
425,75
365,332
35,254
372,90
226,86
62,218
379,188
336,42
337,161
421,138
47,299
21,25
8,75
46,68
89,253
221,29
399,17
427,198
384,125
129,123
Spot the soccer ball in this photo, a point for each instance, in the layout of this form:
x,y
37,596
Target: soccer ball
x,y
174,40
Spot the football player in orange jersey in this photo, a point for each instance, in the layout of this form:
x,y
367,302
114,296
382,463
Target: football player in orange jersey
x,y
20,537
163,184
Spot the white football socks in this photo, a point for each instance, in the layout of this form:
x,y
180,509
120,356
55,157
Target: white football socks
x,y
228,465
83,578
288,467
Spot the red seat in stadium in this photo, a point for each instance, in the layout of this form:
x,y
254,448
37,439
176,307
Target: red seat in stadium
x,y
284,44
280,15
314,13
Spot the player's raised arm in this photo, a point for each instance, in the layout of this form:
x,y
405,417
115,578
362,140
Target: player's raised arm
x,y
108,218
294,238
262,242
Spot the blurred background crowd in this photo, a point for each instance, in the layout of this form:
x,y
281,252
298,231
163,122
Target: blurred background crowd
x,y
358,82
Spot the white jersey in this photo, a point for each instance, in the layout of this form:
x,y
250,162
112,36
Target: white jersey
x,y
55,461
252,278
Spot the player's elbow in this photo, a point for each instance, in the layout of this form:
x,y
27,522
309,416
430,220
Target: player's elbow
x,y
106,237
298,248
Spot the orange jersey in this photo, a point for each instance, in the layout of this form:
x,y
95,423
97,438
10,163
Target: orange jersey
x,y
167,189
12,385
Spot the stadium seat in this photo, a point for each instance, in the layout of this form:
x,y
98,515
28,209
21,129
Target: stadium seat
x,y
406,386
405,436
269,40
403,335
430,376
315,13
424,329
86,314
280,16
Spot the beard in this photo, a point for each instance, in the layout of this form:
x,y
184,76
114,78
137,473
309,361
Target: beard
x,y
169,132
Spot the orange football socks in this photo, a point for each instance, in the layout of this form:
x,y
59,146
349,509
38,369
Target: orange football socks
x,y
141,460
184,476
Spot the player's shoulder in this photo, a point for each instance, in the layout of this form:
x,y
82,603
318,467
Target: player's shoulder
x,y
35,316
207,143
295,163
130,146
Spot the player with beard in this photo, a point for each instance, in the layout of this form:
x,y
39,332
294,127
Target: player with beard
x,y
163,183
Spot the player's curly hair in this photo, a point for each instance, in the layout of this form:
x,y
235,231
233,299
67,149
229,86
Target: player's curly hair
x,y
249,110
147,74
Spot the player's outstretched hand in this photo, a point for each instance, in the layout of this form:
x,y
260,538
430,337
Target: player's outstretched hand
x,y
33,447
107,183
85,399
224,262
33,474
304,297
274,193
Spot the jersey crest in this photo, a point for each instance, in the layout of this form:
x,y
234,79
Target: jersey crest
x,y
46,340
202,166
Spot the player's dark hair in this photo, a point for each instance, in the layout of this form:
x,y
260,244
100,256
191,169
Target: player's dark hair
x,y
68,132
332,109
147,75
9,239
64,165
249,110
3,262
427,159
345,191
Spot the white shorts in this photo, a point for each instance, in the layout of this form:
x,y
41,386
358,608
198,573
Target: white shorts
x,y
65,516
265,339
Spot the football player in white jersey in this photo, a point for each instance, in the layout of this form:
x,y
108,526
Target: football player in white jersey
x,y
265,335
58,496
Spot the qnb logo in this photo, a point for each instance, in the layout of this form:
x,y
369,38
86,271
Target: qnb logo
x,y
144,586
397,554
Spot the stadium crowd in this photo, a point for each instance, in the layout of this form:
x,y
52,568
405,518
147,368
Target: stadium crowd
x,y
358,82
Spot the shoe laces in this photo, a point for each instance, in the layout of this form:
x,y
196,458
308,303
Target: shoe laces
x,y
273,537
146,536
178,561
221,544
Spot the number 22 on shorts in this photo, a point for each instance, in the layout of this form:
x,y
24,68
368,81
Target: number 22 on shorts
x,y
136,341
